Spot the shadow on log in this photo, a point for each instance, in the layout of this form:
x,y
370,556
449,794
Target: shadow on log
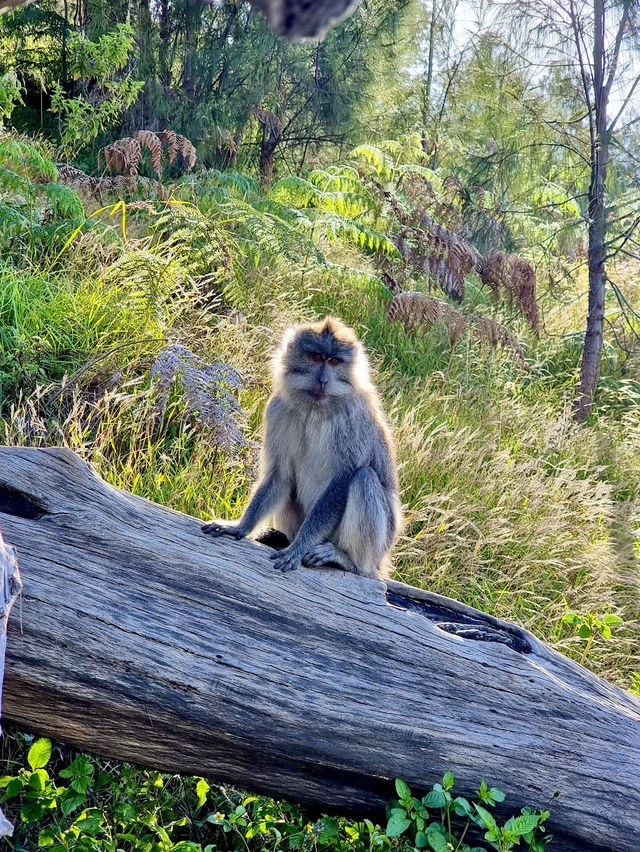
x,y
142,639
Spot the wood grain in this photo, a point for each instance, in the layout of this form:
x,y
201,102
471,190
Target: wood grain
x,y
142,639
10,587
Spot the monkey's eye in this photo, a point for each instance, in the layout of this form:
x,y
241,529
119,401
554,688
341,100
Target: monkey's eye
x,y
316,356
334,361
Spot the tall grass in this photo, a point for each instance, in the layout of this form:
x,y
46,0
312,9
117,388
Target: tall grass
x,y
511,507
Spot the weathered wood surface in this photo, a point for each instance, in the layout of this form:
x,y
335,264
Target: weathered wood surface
x,y
9,590
142,639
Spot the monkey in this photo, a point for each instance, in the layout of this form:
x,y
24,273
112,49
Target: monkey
x,y
328,477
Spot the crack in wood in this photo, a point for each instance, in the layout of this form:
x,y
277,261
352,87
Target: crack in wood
x,y
12,502
460,624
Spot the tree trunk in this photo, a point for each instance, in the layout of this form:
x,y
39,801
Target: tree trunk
x,y
593,340
142,639
163,46
271,136
193,15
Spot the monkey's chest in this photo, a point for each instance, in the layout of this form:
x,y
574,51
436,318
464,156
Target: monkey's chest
x,y
312,462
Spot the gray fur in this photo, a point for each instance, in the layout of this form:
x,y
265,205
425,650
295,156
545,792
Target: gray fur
x,y
328,476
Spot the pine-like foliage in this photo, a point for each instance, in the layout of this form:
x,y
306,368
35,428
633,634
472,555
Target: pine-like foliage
x,y
426,222
420,311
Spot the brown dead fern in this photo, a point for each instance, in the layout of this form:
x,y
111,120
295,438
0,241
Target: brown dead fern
x,y
427,247
153,144
123,188
125,155
420,311
513,278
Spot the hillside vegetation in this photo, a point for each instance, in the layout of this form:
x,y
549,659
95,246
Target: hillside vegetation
x,y
154,247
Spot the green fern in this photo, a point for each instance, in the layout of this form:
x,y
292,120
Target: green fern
x,y
27,160
38,214
337,179
13,182
64,202
375,157
363,236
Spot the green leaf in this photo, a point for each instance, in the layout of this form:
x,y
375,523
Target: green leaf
x,y
496,795
330,830
448,780
397,825
461,806
612,619
90,821
202,788
70,800
435,799
522,824
421,839
487,819
33,811
14,788
437,838
585,631
38,779
47,836
39,754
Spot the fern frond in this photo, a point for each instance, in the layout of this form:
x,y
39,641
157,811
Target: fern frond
x,y
289,215
27,160
14,182
236,183
362,236
433,177
337,179
296,191
12,220
373,156
64,201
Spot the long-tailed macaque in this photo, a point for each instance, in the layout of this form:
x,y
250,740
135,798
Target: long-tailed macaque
x,y
328,475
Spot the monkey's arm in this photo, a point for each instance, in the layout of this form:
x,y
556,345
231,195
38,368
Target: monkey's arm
x,y
319,524
267,497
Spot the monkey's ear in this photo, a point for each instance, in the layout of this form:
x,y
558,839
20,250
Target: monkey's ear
x,y
287,338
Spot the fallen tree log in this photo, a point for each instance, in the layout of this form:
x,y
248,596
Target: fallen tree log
x,y
142,639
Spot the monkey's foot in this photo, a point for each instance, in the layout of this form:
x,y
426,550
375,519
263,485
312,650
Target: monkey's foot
x,y
286,560
328,556
217,528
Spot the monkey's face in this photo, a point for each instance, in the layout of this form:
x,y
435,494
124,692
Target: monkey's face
x,y
318,367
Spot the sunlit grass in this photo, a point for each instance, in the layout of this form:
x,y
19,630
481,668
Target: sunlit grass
x,y
510,506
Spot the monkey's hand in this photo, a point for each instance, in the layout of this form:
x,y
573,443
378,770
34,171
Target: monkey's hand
x,y
288,559
233,528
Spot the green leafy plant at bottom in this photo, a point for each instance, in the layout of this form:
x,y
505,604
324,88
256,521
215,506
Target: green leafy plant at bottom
x,y
104,807
446,832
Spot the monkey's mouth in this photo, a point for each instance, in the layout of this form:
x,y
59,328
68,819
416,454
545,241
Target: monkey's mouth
x,y
318,393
